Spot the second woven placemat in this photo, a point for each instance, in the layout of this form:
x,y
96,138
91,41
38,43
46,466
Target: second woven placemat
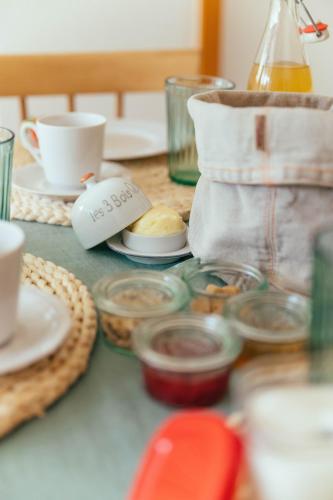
x,y
150,174
27,393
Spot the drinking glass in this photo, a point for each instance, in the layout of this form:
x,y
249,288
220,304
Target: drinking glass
x,y
6,159
322,291
182,153
287,404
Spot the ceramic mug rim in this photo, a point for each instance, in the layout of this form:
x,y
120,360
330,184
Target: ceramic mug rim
x,y
97,120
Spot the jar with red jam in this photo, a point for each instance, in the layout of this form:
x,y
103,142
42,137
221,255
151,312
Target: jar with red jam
x,y
186,359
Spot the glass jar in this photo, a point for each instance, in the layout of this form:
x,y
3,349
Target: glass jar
x,y
269,322
126,299
182,153
186,359
287,403
212,284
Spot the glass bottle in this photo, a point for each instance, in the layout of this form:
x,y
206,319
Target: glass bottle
x,y
281,64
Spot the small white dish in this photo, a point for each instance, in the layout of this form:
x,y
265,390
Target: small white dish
x,y
131,139
31,178
115,243
154,244
43,323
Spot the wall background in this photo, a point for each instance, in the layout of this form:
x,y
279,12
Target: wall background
x,y
29,26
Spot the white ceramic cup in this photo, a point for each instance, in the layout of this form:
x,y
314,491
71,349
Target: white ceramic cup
x,y
67,146
11,243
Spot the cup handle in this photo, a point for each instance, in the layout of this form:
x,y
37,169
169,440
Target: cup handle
x,y
26,140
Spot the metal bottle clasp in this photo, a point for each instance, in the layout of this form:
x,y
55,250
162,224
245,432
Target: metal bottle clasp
x,y
319,32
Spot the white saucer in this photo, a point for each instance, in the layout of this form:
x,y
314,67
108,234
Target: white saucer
x,y
115,243
42,325
31,178
130,139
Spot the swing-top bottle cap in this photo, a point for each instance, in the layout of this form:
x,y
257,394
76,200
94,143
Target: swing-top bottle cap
x,y
315,33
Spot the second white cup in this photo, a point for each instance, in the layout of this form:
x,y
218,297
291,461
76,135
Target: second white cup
x,y
67,146
11,244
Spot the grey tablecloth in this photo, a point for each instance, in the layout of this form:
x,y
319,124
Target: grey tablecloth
x,y
89,443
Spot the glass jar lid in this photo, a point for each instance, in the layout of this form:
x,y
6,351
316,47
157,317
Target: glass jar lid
x,y
270,316
141,294
199,275
187,343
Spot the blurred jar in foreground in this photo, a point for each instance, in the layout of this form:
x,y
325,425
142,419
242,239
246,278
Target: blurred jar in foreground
x,y
322,293
288,410
182,153
269,323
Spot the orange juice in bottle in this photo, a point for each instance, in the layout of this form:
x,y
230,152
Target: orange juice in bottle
x,y
280,64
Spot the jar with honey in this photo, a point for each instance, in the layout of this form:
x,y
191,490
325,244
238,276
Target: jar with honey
x,y
269,322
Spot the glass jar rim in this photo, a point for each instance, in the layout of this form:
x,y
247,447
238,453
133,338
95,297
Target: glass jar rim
x,y
301,304
213,325
104,288
193,82
322,245
291,440
10,137
280,371
224,267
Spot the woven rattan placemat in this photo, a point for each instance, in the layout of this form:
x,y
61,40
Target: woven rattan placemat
x,y
151,174
27,393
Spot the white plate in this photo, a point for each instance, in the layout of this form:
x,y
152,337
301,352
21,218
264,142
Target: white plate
x,y
31,178
130,139
42,325
115,243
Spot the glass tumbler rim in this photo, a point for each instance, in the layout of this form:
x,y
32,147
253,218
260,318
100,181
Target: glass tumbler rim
x,y
193,82
321,245
10,138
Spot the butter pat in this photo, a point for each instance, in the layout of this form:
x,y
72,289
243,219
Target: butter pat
x,y
158,221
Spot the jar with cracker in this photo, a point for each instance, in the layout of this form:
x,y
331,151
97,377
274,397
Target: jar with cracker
x,y
126,299
212,284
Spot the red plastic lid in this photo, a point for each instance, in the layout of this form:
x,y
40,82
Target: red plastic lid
x,y
193,456
310,28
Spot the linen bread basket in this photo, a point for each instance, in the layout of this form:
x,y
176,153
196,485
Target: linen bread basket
x,y
266,161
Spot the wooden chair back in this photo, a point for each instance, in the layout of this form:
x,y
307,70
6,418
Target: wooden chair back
x,y
111,72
